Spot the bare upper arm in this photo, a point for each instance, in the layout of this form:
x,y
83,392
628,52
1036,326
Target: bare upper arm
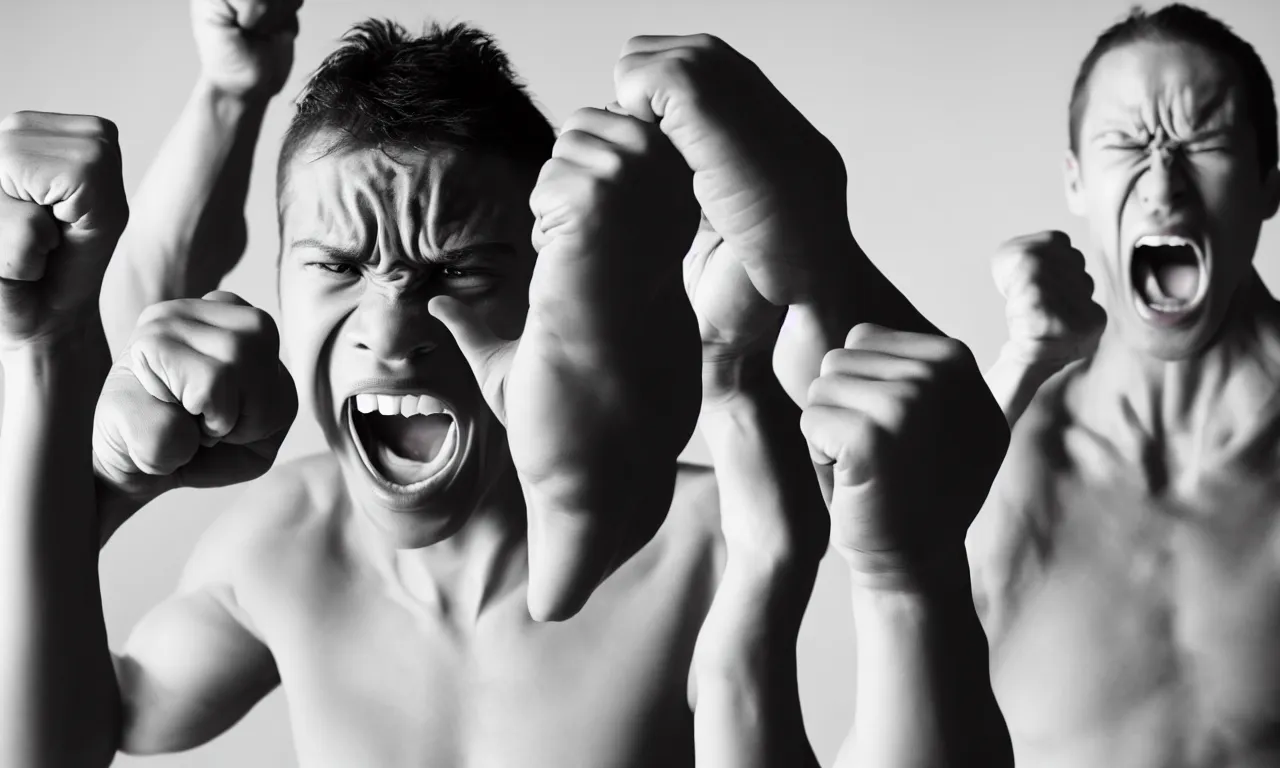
x,y
1014,517
195,664
189,671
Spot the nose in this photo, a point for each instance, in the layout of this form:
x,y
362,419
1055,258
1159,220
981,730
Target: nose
x,y
393,329
1162,188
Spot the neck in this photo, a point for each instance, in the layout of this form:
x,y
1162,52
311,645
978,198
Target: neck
x,y
473,569
1190,408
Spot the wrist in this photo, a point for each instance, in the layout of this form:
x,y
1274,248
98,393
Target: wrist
x,y
906,577
1015,355
735,381
80,350
231,108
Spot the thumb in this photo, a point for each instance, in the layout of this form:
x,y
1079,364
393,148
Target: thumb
x,y
567,560
225,297
488,355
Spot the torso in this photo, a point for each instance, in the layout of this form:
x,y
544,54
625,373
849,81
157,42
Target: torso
x,y
1130,625
375,678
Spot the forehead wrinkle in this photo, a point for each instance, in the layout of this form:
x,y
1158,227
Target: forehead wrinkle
x,y
339,202
1153,89
465,203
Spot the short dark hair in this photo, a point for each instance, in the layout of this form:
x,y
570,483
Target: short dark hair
x,y
1190,25
452,85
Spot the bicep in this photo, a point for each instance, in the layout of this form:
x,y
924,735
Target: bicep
x,y
189,671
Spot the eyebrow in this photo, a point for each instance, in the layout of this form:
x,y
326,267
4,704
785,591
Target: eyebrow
x,y
448,256
338,252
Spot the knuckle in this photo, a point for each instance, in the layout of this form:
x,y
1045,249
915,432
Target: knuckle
x,y
831,362
953,351
860,334
101,127
159,313
86,154
810,418
676,72
612,165
707,42
17,121
575,121
818,389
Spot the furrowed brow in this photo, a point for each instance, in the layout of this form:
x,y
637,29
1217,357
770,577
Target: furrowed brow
x,y
334,251
478,251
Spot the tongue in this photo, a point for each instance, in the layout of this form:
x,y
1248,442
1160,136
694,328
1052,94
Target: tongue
x,y
417,438
401,448
1175,281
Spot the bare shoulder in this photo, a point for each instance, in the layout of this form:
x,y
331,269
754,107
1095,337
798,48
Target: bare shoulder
x,y
283,510
1018,513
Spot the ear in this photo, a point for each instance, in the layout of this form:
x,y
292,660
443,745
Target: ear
x,y
1073,185
1271,194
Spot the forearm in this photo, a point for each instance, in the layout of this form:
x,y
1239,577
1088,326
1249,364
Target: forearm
x,y
853,291
187,228
923,692
1014,381
748,704
57,684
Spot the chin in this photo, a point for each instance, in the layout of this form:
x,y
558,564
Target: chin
x,y
1168,341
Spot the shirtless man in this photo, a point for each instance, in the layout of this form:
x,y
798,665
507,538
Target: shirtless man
x,y
1126,562
403,640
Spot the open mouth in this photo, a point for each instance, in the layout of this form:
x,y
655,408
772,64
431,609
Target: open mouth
x,y
1169,276
405,441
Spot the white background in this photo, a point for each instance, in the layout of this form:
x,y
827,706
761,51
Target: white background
x,y
951,117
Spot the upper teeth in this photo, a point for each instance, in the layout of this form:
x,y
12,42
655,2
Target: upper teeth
x,y
1158,240
404,405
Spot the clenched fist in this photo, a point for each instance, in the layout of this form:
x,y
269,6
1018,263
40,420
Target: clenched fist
x,y
769,183
62,209
601,392
246,46
738,327
198,399
1049,305
916,441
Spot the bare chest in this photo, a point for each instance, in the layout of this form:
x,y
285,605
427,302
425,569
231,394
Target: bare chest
x,y
373,678
1142,630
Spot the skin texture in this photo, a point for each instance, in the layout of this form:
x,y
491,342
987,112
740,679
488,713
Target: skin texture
x,y
316,566
62,209
246,53
399,623
1124,565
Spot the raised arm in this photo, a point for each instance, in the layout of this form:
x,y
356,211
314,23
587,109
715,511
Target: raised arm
x,y
915,440
747,706
198,399
62,208
774,188
61,213
1052,318
188,226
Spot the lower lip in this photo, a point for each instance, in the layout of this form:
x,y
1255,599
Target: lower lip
x,y
396,495
1166,319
